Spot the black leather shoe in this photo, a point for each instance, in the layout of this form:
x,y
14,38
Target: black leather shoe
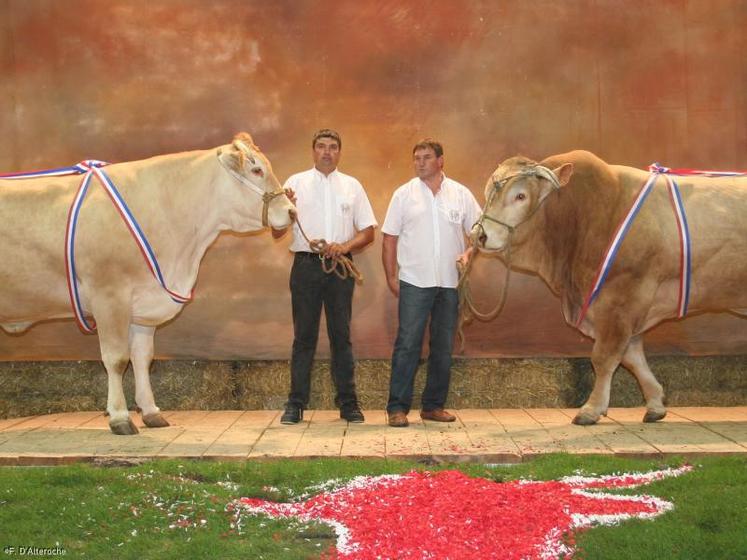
x,y
352,413
293,414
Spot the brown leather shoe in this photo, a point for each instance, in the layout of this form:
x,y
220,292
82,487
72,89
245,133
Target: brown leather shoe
x,y
398,419
438,415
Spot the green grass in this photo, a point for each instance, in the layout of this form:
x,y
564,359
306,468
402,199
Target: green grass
x,y
177,509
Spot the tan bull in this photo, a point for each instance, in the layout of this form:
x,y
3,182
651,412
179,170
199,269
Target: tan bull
x,y
558,218
181,201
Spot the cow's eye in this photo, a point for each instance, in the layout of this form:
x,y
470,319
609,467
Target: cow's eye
x,y
257,171
520,196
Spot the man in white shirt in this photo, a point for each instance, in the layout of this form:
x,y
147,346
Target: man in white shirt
x,y
425,230
334,207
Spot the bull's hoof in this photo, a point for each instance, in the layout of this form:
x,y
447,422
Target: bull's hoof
x,y
124,428
155,420
585,419
654,415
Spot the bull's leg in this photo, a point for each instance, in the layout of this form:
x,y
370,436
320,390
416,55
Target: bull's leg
x,y
113,324
605,357
141,356
634,360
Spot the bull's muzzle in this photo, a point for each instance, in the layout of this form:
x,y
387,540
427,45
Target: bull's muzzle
x,y
478,236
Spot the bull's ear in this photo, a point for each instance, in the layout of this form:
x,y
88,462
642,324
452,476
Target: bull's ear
x,y
244,138
563,173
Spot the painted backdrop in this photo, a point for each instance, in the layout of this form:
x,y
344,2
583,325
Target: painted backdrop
x,y
634,82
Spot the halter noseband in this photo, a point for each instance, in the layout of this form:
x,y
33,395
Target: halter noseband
x,y
538,171
266,196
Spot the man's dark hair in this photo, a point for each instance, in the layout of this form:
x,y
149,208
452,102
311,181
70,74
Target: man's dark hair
x,y
426,143
326,133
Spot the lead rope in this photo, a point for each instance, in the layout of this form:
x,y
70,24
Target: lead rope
x,y
467,308
342,266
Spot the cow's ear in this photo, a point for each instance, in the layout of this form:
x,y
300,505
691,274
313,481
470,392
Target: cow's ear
x,y
563,173
233,158
244,142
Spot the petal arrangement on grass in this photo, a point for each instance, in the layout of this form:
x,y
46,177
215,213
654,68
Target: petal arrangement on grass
x,y
448,514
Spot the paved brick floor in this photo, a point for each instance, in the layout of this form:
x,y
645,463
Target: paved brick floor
x,y
488,436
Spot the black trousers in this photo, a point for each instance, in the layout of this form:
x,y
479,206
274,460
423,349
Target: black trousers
x,y
311,288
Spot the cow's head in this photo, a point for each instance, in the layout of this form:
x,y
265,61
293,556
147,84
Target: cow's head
x,y
513,193
261,198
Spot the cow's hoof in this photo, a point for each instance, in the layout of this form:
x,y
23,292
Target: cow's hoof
x,y
155,420
654,415
124,428
585,419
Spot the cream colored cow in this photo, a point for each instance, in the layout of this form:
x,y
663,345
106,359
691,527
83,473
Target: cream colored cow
x,y
181,201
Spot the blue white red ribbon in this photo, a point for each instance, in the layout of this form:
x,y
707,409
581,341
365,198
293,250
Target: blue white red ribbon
x,y
76,169
682,228
614,246
656,168
685,247
89,168
137,233
70,274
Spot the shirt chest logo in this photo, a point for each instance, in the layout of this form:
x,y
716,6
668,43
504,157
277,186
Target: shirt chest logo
x,y
455,216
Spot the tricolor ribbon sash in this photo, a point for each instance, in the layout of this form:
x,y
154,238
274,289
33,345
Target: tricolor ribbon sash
x,y
684,233
684,171
76,169
614,246
89,169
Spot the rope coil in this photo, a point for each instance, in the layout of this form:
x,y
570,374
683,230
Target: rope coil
x,y
341,265
467,309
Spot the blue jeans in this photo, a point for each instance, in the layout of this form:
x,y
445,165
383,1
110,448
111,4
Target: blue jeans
x,y
416,306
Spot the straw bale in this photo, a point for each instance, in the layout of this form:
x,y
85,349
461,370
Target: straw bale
x,y
28,388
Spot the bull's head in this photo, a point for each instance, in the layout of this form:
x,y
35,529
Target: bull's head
x,y
513,193
252,170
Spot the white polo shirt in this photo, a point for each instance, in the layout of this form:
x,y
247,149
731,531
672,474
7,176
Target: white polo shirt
x,y
431,230
332,207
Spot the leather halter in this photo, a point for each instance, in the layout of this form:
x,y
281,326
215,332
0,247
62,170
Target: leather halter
x,y
267,196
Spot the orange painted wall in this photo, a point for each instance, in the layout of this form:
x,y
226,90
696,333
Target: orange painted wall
x,y
631,81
